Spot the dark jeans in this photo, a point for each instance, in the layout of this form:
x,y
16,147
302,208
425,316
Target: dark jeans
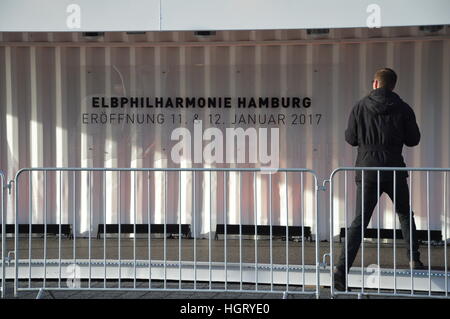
x,y
370,201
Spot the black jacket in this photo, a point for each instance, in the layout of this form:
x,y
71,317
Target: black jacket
x,y
380,124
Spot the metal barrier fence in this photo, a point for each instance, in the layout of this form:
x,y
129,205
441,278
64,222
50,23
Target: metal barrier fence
x,y
143,257
3,247
134,262
389,277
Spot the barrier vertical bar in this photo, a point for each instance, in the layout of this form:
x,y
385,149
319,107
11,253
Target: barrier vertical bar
x,y
74,230
270,223
16,235
165,229
346,229
179,229
89,230
225,213
104,229
316,211
59,229
255,217
2,184
362,233
30,221
134,227
331,239
209,235
45,230
378,232
394,204
302,212
428,233
287,230
410,232
119,217
149,220
195,230
445,234
240,231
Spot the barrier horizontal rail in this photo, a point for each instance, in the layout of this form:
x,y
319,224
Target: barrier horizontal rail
x,y
385,282
35,259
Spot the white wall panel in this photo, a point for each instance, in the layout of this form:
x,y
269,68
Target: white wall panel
x,y
51,15
178,15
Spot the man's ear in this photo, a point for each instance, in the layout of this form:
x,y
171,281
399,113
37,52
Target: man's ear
x,y
375,84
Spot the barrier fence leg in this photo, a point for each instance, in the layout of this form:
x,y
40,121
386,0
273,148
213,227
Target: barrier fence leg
x,y
41,293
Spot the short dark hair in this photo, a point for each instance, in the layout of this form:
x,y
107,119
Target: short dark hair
x,y
386,77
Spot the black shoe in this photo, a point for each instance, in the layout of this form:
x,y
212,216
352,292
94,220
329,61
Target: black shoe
x,y
339,280
417,265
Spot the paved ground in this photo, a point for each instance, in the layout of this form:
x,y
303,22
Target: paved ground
x,y
84,294
153,294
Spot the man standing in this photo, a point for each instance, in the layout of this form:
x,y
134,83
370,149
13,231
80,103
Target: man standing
x,y
379,125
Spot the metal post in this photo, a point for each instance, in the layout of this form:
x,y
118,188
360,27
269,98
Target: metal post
x,y
119,217
59,230
2,184
410,232
195,230
394,204
179,229
104,229
225,226
378,232
362,233
331,239
134,227
89,230
149,221
302,212
346,229
270,223
255,217
316,211
445,234
209,235
30,222
45,230
165,229
428,233
240,232
287,231
74,230
16,236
